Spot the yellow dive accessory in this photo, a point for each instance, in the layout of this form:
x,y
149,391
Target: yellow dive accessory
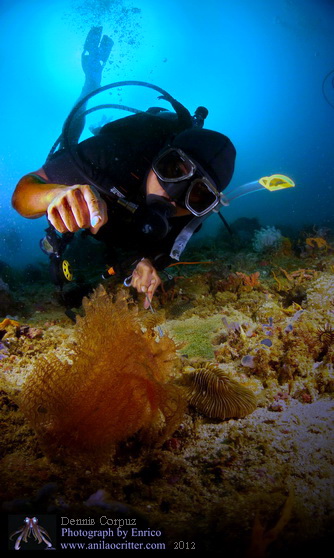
x,y
271,183
66,268
276,182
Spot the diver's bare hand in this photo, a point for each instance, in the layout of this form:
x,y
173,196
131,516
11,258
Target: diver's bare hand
x,y
77,207
146,280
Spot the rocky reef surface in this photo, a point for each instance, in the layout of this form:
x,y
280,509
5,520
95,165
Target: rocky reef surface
x,y
253,486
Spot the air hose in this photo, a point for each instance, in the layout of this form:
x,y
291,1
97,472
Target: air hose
x,y
66,135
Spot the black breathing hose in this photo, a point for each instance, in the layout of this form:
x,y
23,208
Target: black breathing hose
x,y
65,136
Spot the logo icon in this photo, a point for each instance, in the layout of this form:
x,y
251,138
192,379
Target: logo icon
x,y
31,528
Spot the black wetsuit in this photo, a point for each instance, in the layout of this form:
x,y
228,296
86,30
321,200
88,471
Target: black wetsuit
x,y
120,156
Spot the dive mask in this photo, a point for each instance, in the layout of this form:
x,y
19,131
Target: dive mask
x,y
185,182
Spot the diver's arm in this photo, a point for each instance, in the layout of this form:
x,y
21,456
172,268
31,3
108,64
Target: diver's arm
x,y
33,195
68,208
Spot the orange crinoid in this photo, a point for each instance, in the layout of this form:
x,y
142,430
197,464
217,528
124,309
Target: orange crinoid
x,y
117,383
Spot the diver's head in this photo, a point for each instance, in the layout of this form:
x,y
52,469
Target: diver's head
x,y
186,178
194,168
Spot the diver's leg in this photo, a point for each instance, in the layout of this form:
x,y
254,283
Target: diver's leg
x,y
95,54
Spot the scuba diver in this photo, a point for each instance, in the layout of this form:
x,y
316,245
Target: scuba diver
x,y
143,183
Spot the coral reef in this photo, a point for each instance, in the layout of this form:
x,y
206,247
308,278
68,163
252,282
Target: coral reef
x,y
239,282
320,295
7,301
257,324
113,384
317,243
266,239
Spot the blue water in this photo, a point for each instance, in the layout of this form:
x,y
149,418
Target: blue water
x,y
258,66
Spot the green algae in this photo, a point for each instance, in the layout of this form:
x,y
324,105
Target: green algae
x,y
196,334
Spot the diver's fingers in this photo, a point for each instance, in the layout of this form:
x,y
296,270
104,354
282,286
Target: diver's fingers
x,y
103,218
89,209
144,269
92,200
60,214
65,212
154,284
141,276
145,279
55,220
79,208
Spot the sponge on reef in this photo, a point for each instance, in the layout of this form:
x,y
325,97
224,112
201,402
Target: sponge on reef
x,y
119,382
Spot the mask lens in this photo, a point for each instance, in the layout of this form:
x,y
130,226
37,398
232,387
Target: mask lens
x,y
200,197
173,166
